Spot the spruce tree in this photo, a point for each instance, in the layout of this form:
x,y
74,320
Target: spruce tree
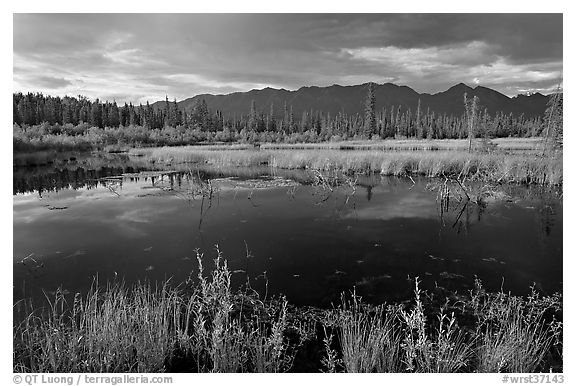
x,y
419,131
370,112
253,118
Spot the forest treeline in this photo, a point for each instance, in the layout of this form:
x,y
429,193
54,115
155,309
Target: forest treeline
x,y
68,123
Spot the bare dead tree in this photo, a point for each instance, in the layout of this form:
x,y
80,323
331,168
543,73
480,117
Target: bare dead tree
x,y
472,108
554,121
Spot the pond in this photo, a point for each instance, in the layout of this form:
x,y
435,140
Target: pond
x,y
286,232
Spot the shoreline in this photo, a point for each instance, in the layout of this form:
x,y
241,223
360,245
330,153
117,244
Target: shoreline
x,y
512,160
485,167
205,326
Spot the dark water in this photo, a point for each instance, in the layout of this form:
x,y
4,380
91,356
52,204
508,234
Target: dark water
x,y
309,242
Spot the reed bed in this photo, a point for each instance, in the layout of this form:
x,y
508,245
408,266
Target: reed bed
x,y
413,144
484,332
221,146
202,325
489,167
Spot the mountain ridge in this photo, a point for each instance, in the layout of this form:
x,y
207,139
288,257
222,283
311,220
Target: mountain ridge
x,y
350,99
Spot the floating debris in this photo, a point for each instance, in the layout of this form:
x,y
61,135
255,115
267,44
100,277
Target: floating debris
x,y
268,183
147,249
366,281
377,244
359,261
490,260
186,258
427,274
456,260
149,268
158,194
31,263
29,257
239,271
110,178
436,258
296,275
338,272
57,207
224,179
449,275
147,174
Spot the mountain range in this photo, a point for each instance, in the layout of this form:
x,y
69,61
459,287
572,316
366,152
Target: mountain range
x,y
351,100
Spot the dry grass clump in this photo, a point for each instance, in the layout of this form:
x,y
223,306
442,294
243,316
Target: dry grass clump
x,y
515,144
369,338
488,167
203,325
515,334
508,334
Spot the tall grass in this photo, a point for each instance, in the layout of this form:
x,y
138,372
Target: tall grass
x,y
514,347
109,330
515,335
202,325
509,334
515,144
489,167
370,338
444,350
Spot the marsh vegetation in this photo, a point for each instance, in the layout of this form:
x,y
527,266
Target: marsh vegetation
x,y
501,167
202,325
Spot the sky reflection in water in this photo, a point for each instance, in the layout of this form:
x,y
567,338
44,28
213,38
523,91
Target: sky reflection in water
x,y
311,243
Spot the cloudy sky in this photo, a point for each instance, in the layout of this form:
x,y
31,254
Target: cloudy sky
x,y
135,58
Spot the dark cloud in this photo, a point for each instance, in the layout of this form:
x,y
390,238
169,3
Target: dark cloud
x,y
148,55
517,36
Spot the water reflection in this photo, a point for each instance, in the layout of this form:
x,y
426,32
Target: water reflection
x,y
309,240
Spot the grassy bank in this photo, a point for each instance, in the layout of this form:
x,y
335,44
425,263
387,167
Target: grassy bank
x,y
490,167
202,325
513,144
511,160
